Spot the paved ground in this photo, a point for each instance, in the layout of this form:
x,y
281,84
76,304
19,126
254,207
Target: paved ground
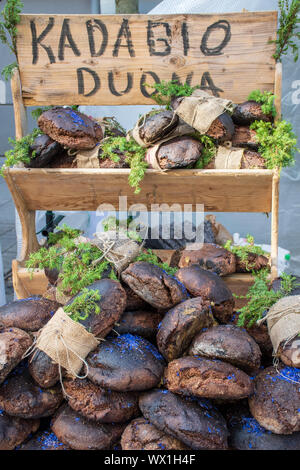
x,y
8,240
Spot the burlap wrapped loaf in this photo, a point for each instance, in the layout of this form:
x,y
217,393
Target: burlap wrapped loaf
x,y
117,248
66,342
228,158
201,109
168,132
283,320
88,158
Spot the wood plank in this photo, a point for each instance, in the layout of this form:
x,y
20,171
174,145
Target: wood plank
x,y
86,189
231,49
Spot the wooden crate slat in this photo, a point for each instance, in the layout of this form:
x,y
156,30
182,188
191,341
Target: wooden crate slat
x,y
84,189
185,45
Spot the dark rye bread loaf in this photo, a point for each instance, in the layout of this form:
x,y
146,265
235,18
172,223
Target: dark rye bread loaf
x,y
29,314
259,333
276,400
157,125
20,396
79,433
42,151
290,353
140,434
249,111
180,325
70,128
222,128
244,137
133,301
210,257
126,363
139,322
98,404
43,370
209,286
44,440
230,344
14,431
154,285
179,152
194,422
247,434
200,377
13,344
112,304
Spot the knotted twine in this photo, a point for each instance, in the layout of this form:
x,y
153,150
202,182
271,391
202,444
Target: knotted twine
x,y
200,109
135,132
117,248
67,343
283,320
228,158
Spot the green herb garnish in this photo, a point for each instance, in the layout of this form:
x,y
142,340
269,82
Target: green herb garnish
x,y
85,304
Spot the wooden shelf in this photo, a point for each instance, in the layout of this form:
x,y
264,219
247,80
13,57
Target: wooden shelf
x,y
245,66
86,189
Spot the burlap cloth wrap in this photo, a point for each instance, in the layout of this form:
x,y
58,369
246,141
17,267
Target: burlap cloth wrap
x,y
200,110
88,158
228,158
66,342
283,320
117,248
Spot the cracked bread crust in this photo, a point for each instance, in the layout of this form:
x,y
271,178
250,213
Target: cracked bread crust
x,y
180,325
153,285
71,129
98,404
194,422
140,434
199,377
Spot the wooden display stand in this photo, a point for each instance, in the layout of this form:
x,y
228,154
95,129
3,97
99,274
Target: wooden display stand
x,y
75,59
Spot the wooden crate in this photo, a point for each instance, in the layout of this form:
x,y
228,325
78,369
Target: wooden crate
x,y
103,60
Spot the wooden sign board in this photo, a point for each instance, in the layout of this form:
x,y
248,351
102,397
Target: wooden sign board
x,y
109,60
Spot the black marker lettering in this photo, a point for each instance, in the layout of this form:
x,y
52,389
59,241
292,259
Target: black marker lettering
x,y
188,79
38,41
80,78
143,83
66,34
125,32
151,41
208,84
185,38
91,26
222,24
112,87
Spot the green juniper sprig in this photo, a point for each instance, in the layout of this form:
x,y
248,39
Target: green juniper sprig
x,y
277,143
287,33
261,297
266,99
242,252
165,91
151,258
21,151
10,18
83,305
135,157
77,263
208,151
